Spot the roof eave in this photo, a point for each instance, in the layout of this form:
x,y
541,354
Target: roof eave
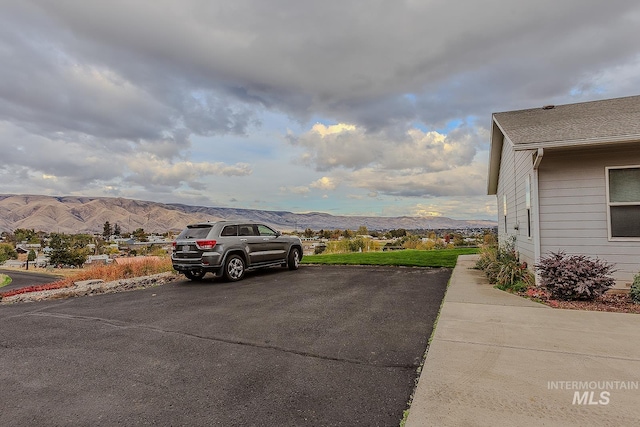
x,y
578,142
495,156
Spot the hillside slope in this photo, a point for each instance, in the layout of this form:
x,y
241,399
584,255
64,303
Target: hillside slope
x,y
88,214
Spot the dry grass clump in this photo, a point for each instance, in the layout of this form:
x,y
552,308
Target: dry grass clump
x,y
142,266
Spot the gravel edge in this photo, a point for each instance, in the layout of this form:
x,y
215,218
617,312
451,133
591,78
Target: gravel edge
x,y
93,287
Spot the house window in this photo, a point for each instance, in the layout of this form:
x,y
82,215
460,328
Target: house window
x,y
623,199
504,211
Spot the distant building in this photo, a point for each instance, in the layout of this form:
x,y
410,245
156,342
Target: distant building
x,y
97,260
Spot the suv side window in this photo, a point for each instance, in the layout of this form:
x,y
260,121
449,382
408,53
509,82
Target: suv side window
x,y
265,231
246,230
229,230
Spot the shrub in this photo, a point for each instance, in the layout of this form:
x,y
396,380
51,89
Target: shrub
x,y
513,275
319,249
517,287
575,277
502,266
488,254
635,289
358,244
111,272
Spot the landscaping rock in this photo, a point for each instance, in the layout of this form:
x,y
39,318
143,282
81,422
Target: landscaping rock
x,y
94,287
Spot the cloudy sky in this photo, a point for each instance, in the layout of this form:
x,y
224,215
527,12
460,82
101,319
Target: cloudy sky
x,y
358,107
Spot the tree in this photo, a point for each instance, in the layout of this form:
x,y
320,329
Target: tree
x,y
31,256
140,235
68,250
362,231
7,252
99,245
116,229
107,231
25,235
308,233
400,232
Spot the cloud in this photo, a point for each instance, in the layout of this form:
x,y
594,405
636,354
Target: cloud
x,y
156,95
157,172
297,190
470,207
462,181
347,146
483,207
87,162
307,58
325,183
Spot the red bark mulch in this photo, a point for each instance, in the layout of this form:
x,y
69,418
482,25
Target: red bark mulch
x,y
611,302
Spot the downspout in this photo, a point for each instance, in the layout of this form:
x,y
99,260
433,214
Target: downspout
x,y
537,159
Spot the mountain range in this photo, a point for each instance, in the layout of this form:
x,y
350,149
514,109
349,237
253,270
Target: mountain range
x,y
71,214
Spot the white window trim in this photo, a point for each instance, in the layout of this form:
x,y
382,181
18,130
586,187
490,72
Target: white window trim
x,y
609,204
528,208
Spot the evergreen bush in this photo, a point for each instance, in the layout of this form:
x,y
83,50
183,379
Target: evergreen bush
x,y
635,289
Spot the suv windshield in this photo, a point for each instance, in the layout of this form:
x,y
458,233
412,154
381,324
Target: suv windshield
x,y
199,231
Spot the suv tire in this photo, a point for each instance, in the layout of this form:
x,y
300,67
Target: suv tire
x,y
234,268
293,261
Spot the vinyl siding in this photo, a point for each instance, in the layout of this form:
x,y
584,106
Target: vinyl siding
x,y
573,207
515,166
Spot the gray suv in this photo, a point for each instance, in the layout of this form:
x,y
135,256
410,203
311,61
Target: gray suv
x,y
230,248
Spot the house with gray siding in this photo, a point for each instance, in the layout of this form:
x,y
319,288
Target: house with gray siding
x,y
567,178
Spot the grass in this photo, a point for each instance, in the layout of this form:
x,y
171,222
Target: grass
x,y
111,272
4,280
108,273
407,258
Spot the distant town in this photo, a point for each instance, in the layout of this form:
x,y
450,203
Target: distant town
x,y
24,248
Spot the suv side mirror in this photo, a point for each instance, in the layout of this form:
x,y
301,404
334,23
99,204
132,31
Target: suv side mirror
x,y
278,234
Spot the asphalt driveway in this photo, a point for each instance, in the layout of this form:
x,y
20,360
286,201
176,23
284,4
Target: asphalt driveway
x,y
320,346
22,279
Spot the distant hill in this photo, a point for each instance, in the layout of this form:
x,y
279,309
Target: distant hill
x,y
88,214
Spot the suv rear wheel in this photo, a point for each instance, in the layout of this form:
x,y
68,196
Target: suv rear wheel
x,y
234,268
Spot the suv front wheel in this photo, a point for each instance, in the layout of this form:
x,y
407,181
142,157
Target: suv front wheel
x,y
234,268
294,259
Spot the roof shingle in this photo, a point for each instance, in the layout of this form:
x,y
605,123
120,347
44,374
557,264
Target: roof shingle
x,y
586,121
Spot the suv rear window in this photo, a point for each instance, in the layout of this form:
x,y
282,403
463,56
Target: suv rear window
x,y
198,231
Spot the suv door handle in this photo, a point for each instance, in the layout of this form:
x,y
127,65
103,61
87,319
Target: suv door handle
x,y
265,238
243,240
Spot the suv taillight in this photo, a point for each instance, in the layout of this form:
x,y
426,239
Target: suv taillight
x,y
205,244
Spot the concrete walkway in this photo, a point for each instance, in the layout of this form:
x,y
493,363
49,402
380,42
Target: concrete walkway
x,y
497,359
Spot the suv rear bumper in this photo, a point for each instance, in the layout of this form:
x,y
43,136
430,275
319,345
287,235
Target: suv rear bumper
x,y
208,262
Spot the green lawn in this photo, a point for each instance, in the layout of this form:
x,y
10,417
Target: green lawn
x,y
4,280
408,258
